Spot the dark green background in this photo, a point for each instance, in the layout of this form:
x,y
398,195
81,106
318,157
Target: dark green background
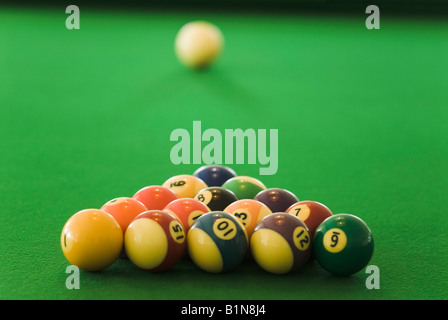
x,y
86,116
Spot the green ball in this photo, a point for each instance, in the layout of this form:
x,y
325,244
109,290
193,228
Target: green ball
x,y
343,244
244,187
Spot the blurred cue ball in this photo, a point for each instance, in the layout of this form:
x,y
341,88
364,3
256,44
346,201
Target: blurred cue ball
x,y
198,44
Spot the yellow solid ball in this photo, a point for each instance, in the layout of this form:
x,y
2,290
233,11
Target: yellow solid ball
x,y
198,44
91,240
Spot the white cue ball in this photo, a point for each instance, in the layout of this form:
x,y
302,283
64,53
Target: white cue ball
x,y
198,44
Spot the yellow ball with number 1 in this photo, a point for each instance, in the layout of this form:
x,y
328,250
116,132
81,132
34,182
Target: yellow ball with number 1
x,y
91,240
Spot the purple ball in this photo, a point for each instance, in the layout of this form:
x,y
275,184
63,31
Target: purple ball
x,y
278,200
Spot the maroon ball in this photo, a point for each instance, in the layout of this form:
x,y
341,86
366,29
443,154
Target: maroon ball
x,y
278,200
266,244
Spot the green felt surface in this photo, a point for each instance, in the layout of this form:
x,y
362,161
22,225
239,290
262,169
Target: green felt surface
x,y
86,116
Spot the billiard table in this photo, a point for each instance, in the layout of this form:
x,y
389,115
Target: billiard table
x,y
360,116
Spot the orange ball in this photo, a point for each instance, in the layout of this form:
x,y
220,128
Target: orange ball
x,y
187,210
155,197
249,212
124,210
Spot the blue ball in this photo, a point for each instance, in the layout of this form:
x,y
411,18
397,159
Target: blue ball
x,y
214,175
217,242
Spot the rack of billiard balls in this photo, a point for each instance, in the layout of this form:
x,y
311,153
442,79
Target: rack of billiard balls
x,y
217,219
